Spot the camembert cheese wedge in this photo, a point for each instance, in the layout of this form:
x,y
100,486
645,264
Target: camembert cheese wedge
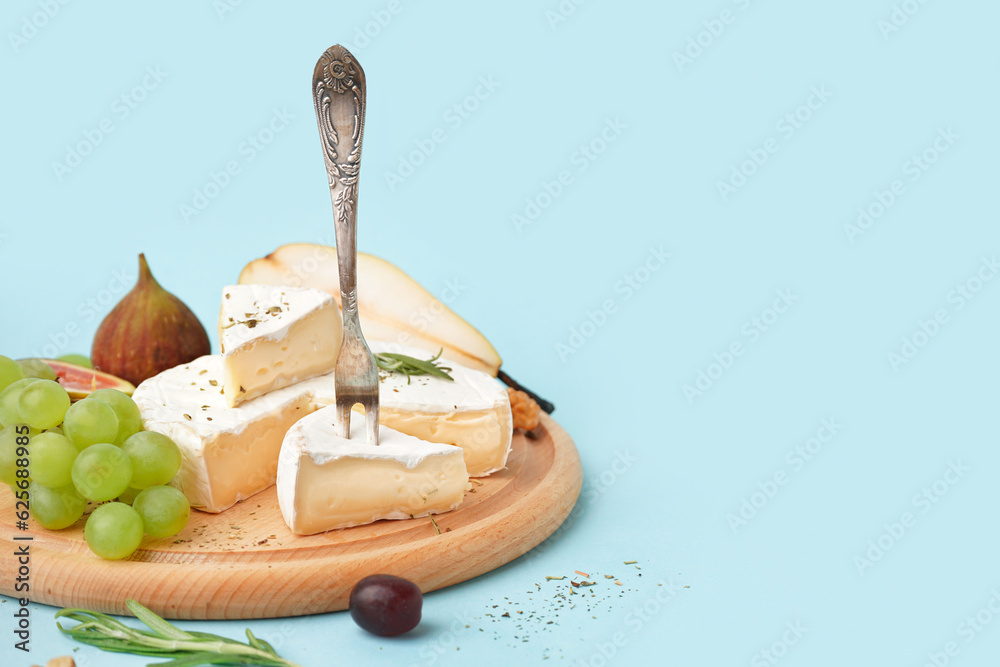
x,y
327,482
473,412
274,337
227,454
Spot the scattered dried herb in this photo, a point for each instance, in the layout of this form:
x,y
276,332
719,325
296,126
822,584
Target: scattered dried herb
x,y
250,323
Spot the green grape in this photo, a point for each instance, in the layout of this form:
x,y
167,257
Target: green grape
x,y
52,457
8,455
129,419
100,472
55,429
43,404
8,401
77,359
36,368
88,422
10,372
113,531
56,508
128,495
9,458
164,510
155,458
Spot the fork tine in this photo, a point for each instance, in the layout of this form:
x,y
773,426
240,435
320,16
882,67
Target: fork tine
x,y
343,418
356,381
371,422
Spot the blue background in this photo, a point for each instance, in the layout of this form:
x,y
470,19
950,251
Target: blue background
x,y
668,472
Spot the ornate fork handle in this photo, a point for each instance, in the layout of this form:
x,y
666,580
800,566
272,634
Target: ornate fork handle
x,y
341,130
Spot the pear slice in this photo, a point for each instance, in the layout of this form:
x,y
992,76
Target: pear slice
x,y
393,307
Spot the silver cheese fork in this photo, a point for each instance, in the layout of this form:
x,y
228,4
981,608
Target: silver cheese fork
x,y
339,97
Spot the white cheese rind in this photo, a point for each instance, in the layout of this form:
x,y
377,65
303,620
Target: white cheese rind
x,y
471,390
230,453
473,412
273,337
327,482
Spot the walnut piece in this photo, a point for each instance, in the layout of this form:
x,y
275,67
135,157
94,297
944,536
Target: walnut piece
x,y
526,412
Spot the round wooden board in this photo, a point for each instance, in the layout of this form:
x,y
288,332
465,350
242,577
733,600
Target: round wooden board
x,y
245,563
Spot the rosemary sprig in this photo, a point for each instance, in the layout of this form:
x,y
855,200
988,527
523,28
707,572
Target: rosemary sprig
x,y
400,363
165,640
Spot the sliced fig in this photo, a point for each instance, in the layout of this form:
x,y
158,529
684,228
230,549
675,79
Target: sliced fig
x,y
79,381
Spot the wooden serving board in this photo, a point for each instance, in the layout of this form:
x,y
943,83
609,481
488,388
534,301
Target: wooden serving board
x,y
245,563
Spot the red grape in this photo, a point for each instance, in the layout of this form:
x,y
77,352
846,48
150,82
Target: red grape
x,y
386,605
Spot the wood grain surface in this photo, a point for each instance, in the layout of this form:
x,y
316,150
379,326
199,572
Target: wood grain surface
x,y
245,563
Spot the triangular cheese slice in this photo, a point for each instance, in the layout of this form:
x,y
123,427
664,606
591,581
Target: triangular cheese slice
x,y
327,482
273,337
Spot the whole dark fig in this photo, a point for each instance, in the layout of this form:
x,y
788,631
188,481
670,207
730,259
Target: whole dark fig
x,y
149,331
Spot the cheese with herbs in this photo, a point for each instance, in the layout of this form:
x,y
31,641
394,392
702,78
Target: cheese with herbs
x,y
274,337
231,453
473,412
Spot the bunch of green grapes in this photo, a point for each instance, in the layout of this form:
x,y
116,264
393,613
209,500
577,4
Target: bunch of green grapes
x,y
56,455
